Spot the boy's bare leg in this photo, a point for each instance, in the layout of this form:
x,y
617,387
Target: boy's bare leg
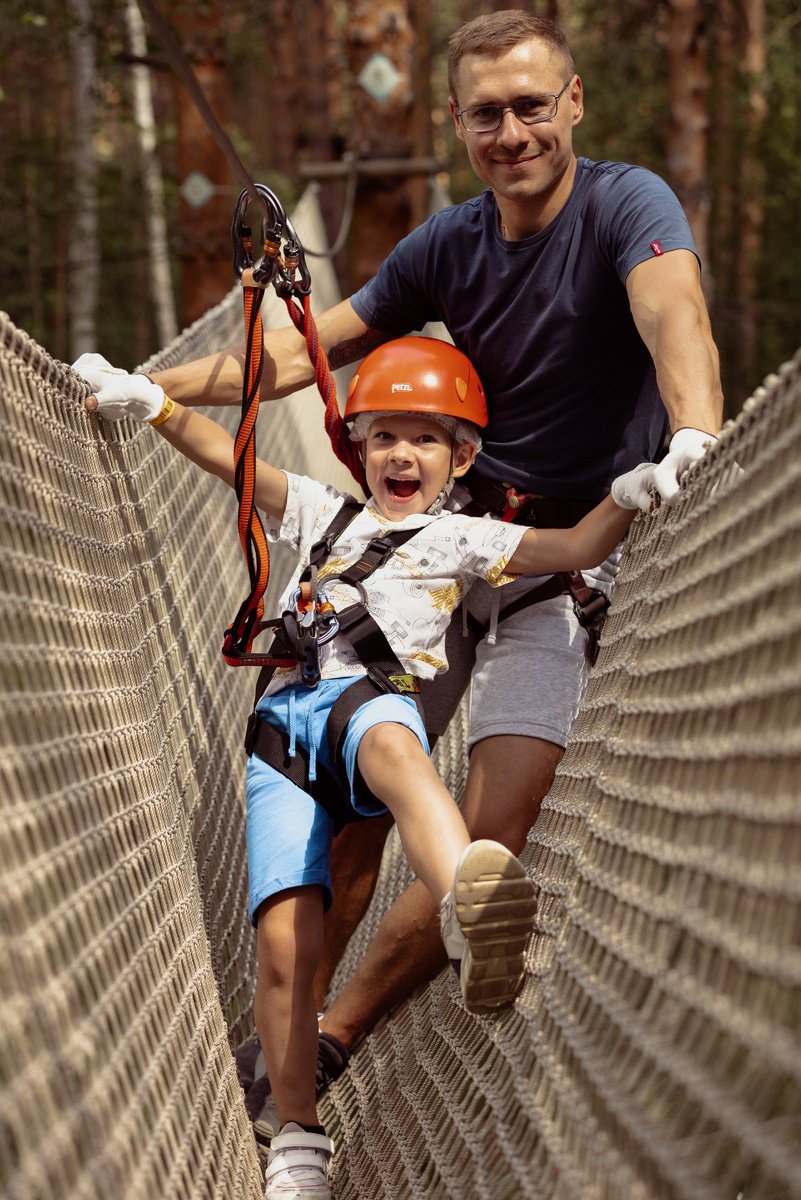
x,y
508,779
400,773
355,864
289,940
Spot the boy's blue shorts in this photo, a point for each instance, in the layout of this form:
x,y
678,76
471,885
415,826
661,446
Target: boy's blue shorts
x,y
289,834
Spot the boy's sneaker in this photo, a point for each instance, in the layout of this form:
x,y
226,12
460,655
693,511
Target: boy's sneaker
x,y
485,921
332,1059
297,1168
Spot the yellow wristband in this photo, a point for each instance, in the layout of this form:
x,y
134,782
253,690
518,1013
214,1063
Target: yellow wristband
x,y
166,411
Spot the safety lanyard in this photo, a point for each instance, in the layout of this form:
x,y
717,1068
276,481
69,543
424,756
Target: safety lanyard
x,y
280,270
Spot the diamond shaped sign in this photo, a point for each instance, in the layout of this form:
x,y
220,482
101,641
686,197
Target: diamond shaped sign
x,y
196,189
379,76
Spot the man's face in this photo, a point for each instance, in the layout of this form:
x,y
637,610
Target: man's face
x,y
519,162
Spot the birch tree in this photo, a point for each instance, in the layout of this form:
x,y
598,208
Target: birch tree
x,y
84,246
152,185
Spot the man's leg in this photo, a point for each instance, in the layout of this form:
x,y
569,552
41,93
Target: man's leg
x,y
355,864
502,800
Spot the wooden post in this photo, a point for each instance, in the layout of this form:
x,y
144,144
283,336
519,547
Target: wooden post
x,y
387,48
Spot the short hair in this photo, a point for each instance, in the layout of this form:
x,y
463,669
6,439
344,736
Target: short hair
x,y
495,33
459,429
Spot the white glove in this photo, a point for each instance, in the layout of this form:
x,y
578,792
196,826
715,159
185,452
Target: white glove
x,y
686,447
118,393
633,490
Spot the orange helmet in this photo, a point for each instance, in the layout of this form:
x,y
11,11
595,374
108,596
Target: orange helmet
x,y
418,374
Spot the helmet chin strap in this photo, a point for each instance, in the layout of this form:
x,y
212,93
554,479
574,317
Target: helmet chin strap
x,y
435,508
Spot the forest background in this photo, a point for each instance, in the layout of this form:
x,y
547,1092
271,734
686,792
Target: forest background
x,y
116,203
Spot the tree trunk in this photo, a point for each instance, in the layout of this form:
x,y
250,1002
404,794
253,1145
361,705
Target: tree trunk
x,y
322,98
84,247
207,191
688,121
155,216
752,188
725,146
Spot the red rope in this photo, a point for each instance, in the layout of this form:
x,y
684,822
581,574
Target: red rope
x,y
514,501
345,450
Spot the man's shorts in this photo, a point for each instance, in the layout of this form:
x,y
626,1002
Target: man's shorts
x,y
289,835
531,681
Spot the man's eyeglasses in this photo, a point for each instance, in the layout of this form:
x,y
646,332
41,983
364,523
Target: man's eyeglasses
x,y
486,117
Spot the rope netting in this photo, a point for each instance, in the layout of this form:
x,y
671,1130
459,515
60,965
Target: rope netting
x,y
654,1052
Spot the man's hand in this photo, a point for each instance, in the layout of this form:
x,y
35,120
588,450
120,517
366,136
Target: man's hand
x,y
633,490
686,447
116,393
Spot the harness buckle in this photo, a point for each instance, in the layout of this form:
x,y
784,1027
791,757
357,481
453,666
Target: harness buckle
x,y
593,612
383,547
409,684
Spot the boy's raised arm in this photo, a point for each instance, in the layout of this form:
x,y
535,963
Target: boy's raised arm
x,y
546,551
212,448
118,394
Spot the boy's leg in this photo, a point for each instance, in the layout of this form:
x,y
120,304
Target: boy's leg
x,y
289,940
399,772
357,852
486,900
407,949
355,864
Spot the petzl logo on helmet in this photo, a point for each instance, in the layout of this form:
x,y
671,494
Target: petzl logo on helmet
x,y
402,387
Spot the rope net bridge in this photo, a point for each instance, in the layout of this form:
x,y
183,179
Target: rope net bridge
x,y
654,1051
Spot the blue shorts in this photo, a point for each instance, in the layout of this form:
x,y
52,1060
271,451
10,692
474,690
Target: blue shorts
x,y
289,834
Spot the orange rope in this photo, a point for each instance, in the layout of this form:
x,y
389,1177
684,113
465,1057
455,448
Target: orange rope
x,y
248,623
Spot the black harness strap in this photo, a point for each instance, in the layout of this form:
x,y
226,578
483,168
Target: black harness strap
x,y
385,674
272,745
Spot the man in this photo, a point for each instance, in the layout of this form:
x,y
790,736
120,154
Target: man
x,y
575,290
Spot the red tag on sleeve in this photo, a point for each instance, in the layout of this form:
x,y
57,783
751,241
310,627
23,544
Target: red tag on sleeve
x,y
657,249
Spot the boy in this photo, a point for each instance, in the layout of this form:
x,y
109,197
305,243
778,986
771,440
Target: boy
x,y
416,406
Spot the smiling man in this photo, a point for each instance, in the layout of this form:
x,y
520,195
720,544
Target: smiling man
x,y
574,288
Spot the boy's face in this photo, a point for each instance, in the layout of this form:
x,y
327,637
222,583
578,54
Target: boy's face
x,y
408,460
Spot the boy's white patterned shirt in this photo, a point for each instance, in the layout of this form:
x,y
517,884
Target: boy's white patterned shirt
x,y
413,596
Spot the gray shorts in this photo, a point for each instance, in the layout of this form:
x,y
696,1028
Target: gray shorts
x,y
531,681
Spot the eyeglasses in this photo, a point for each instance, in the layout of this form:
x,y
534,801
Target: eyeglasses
x,y
486,117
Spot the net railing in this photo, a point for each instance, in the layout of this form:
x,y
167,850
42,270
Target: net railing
x,y
654,1051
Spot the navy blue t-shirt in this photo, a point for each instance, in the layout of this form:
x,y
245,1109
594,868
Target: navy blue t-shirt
x,y
571,387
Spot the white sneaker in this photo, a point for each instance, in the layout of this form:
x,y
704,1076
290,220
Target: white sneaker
x,y
485,921
297,1167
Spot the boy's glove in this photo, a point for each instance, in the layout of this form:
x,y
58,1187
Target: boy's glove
x,y
118,393
633,490
686,447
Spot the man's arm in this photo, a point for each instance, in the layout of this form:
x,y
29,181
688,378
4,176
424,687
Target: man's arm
x,y
217,378
670,313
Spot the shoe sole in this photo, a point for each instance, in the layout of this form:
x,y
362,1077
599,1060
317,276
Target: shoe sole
x,y
495,907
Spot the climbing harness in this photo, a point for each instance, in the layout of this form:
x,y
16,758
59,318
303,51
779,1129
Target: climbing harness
x,y
283,266
589,604
295,642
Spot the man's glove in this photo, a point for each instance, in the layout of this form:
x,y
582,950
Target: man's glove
x,y
633,490
686,447
118,393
